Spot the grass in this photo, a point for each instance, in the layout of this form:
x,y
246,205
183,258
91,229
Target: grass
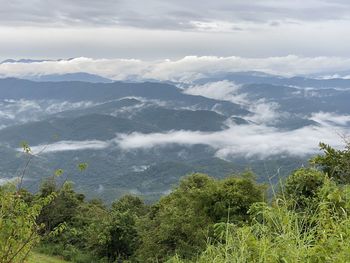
x,y
281,233
40,258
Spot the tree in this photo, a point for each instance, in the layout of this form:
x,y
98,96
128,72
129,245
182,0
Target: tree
x,y
335,163
302,187
62,209
117,236
19,211
181,222
233,198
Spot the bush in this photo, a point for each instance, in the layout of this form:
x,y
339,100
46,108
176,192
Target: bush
x,y
181,222
18,225
282,233
335,163
301,188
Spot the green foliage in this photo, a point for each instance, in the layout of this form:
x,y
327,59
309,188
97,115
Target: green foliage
x,y
278,234
25,147
233,198
202,220
118,237
301,187
335,163
18,225
93,232
77,216
41,258
62,209
58,172
82,166
182,221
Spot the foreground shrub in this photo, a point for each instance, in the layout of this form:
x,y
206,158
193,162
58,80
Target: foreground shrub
x,y
279,233
182,221
18,226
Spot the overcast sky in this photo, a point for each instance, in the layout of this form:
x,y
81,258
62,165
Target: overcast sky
x,y
159,29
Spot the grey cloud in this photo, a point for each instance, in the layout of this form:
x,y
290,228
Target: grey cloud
x,y
209,38
166,14
172,29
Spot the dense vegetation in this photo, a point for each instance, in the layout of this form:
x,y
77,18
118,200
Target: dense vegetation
x,y
202,220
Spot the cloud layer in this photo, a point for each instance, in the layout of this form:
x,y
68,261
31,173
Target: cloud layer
x,y
185,69
239,140
167,14
172,29
243,140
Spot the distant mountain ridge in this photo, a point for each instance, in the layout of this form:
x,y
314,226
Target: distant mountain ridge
x,y
79,76
263,78
26,60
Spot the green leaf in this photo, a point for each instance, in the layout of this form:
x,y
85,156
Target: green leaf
x,y
58,172
82,166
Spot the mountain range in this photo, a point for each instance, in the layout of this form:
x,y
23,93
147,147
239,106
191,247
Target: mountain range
x,y
141,137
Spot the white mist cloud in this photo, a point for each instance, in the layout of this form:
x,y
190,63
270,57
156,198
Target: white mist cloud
x,y
59,106
241,140
263,110
21,111
62,146
140,168
185,69
331,119
100,188
193,67
251,140
221,90
238,140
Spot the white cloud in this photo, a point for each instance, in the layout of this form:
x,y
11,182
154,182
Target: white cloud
x,y
221,90
62,146
238,140
140,168
20,111
242,140
263,111
185,69
331,119
59,106
214,26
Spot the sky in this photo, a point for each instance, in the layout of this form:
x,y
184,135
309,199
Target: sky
x,y
173,29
